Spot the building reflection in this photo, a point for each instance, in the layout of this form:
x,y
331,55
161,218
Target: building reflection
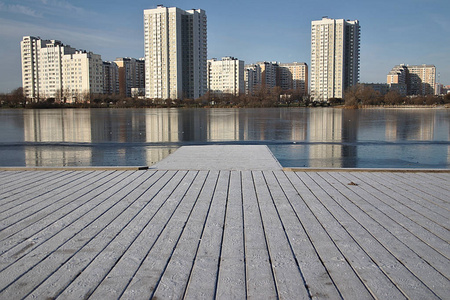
x,y
410,125
58,126
325,129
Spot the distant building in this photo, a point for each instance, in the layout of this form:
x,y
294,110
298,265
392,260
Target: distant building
x,y
110,78
293,76
175,44
413,80
252,77
82,75
334,57
51,69
382,88
226,76
131,74
268,74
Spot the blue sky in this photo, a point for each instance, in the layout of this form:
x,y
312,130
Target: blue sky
x,y
392,32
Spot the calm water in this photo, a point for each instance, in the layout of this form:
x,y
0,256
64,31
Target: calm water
x,y
300,137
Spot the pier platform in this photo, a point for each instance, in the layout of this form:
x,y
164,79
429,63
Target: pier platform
x,y
223,222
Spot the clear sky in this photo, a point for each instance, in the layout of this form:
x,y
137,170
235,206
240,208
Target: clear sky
x,y
392,32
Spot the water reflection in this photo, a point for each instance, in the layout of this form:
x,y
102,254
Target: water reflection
x,y
298,137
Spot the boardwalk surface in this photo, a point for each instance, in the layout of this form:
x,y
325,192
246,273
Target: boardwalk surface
x,y
226,234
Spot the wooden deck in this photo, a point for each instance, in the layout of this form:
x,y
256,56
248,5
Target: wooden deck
x,y
226,234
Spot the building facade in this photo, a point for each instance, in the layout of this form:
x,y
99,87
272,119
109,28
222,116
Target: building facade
x,y
51,69
293,76
82,76
269,71
226,76
252,78
131,75
175,44
335,47
110,78
413,80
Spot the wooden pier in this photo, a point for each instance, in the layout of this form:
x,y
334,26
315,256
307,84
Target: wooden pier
x,y
228,231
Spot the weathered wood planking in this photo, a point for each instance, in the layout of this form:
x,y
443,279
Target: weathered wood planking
x,y
225,234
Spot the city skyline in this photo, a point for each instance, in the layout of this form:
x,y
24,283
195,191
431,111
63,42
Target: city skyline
x,y
410,32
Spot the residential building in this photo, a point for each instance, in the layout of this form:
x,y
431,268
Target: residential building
x,y
335,47
413,80
175,44
110,78
51,69
82,75
421,79
226,76
131,75
268,74
42,67
396,79
252,78
293,76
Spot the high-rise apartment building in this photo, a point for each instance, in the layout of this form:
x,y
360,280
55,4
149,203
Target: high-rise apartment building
x,y
131,74
334,57
110,78
252,77
226,76
175,44
51,69
293,76
413,80
268,74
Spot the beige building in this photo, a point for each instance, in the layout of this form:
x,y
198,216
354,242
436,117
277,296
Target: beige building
x,y
175,45
252,78
131,74
413,80
293,76
334,57
51,69
269,72
226,76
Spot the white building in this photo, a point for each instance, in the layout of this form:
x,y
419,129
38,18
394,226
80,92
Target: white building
x,y
226,76
82,75
175,44
51,69
334,57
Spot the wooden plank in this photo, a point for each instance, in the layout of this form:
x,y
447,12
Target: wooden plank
x,y
33,268
232,282
30,181
385,214
314,218
402,205
37,205
286,198
288,277
259,273
203,279
345,232
33,234
173,282
145,259
425,189
404,195
380,244
84,271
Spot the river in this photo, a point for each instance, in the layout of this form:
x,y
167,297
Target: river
x,y
298,137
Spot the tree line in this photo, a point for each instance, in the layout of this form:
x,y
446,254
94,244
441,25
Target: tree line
x,y
354,97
